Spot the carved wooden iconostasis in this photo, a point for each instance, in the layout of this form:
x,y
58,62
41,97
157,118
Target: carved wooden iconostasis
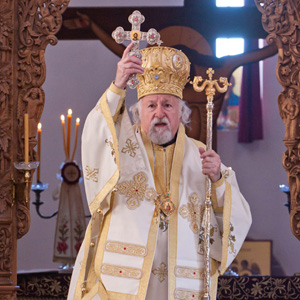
x,y
280,19
28,26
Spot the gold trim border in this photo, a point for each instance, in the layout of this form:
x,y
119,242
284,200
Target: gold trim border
x,y
125,248
226,226
188,272
173,221
184,294
121,271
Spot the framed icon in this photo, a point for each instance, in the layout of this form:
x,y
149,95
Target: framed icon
x,y
254,258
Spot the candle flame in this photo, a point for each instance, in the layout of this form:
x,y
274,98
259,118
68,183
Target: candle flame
x,y
69,111
39,126
77,121
62,117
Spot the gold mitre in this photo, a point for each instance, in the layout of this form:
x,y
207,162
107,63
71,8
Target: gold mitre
x,y
166,71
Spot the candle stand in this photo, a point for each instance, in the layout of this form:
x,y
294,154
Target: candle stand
x,y
38,189
26,167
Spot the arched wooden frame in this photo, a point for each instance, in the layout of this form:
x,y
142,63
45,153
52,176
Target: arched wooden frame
x,y
26,28
281,20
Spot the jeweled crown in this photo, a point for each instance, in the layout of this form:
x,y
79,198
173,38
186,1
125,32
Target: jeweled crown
x,y
166,71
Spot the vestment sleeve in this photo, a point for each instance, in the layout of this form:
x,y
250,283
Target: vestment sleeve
x,y
233,219
100,164
115,100
217,194
101,172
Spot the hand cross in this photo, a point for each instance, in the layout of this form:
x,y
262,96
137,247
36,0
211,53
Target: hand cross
x,y
135,36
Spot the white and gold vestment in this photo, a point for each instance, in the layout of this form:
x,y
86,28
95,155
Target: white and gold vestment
x,y
116,258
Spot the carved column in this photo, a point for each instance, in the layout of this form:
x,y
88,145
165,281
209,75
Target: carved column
x,y
26,28
280,19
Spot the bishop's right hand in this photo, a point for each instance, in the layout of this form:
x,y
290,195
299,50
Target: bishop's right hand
x,y
127,66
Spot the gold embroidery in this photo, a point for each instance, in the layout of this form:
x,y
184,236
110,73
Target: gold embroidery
x,y
113,153
231,240
130,148
226,226
124,248
91,174
161,271
98,106
121,271
136,190
173,225
193,211
183,294
225,173
150,194
213,229
187,272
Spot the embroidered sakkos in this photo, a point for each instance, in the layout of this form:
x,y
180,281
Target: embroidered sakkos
x,y
124,198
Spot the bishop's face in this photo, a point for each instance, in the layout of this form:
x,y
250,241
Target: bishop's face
x,y
160,117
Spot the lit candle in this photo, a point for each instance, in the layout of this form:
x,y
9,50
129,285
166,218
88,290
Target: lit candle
x,y
39,151
76,137
62,117
26,139
69,133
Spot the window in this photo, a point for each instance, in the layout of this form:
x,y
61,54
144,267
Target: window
x,y
230,3
229,115
229,46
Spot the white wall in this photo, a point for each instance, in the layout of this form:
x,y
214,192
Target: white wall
x,y
77,73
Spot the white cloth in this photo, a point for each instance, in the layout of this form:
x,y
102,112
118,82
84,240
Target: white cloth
x,y
123,188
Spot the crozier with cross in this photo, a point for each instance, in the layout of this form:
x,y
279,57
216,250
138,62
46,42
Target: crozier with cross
x,y
135,36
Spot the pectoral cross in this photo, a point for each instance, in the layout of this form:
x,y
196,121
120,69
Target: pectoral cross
x,y
210,87
135,36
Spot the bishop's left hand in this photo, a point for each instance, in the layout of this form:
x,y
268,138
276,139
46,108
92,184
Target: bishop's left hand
x,y
211,164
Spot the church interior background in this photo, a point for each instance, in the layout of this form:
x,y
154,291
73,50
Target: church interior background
x,y
78,71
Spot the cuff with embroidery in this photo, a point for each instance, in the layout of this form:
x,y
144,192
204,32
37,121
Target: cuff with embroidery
x,y
116,90
115,100
217,195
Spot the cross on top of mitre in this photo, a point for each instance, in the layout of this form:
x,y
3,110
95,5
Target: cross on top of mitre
x,y
135,36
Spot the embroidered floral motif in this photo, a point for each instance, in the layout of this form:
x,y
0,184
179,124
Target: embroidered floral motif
x,y
201,237
183,294
161,272
130,148
121,271
231,240
62,246
111,145
225,173
124,248
187,272
193,211
79,235
91,174
136,190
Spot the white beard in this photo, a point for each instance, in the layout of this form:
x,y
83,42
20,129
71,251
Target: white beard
x,y
158,135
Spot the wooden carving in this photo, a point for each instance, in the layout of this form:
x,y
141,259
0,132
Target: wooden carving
x,y
281,20
26,28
